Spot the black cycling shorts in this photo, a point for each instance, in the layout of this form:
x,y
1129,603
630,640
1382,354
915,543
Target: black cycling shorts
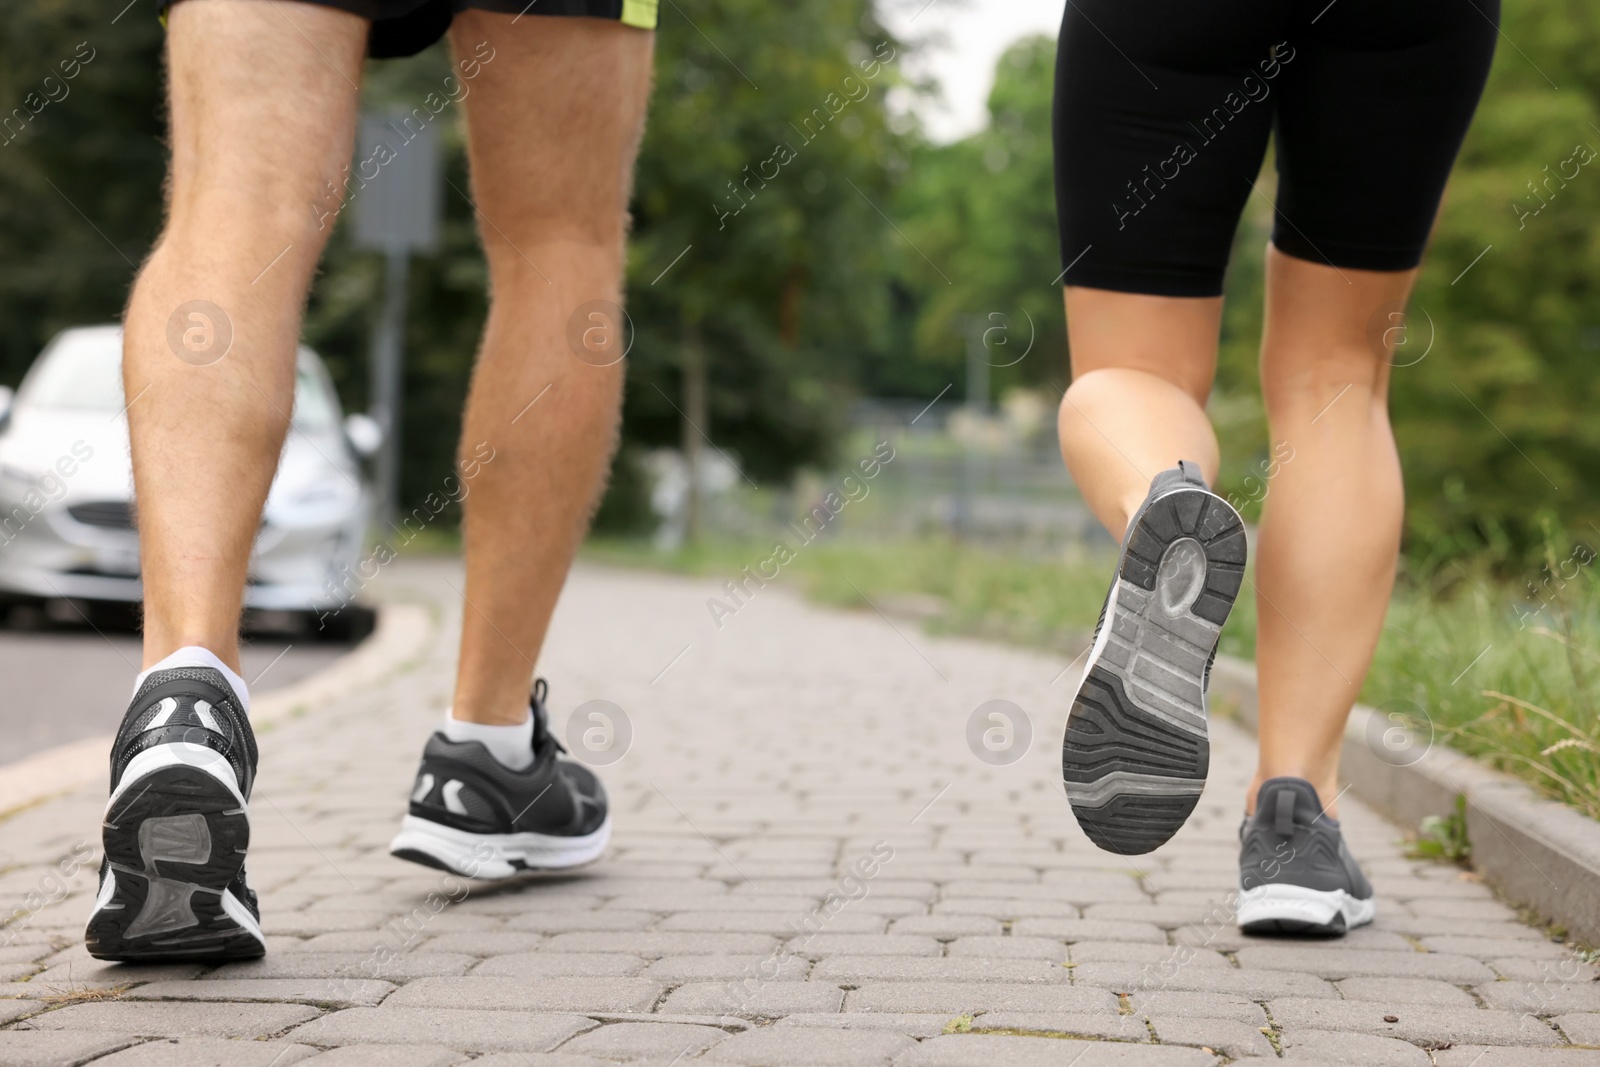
x,y
1163,110
406,27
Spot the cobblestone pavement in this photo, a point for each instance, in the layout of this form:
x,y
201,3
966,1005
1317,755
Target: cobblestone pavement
x,y
810,867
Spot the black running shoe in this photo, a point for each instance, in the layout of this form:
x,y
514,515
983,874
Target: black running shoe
x,y
1295,874
1135,755
172,885
473,816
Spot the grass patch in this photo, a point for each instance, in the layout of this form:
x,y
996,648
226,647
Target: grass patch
x,y
1503,670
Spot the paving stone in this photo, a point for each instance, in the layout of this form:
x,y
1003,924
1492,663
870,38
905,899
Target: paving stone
x,y
1089,930
1174,1005
776,923
1227,1036
764,999
966,997
387,1056
165,1019
1098,1025
999,1050
1166,916
631,1041
1364,1050
560,964
1482,947
1481,1056
1357,963
528,994
1525,970
771,968
1406,991
97,974
44,1048
399,967
1161,956
1417,1023
946,927
1581,1028
498,943
912,1024
925,969
330,992
465,1030
1008,909
1014,947
1426,925
545,1059
1257,985
16,1009
656,945
1488,910
365,942
559,921
1227,937
837,944
1541,998
812,1047
208,1052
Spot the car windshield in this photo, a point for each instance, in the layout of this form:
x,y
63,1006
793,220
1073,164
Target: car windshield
x,y
75,375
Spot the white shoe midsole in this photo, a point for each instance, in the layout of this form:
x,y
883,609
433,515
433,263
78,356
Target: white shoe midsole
x,y
1297,903
174,754
491,855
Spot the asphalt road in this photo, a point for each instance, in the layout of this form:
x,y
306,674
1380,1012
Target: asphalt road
x,y
62,685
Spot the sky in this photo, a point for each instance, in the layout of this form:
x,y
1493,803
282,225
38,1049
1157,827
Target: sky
x,y
960,42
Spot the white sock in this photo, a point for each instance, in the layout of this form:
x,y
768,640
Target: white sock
x,y
511,746
195,656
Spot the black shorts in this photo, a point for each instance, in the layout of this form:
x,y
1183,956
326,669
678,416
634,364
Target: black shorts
x,y
406,27
1164,109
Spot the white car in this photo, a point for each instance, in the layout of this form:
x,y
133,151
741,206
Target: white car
x,y
66,487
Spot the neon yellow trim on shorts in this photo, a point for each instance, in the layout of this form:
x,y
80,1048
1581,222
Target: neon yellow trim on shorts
x,y
642,13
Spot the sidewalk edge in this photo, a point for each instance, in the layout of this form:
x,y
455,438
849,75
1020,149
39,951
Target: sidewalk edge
x,y
1534,851
401,633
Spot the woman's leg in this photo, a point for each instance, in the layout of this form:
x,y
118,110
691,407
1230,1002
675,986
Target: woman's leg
x,y
1141,372
1330,530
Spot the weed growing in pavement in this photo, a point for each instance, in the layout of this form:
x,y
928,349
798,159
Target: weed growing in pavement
x,y
1444,837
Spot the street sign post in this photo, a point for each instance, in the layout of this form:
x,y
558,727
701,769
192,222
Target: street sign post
x,y
394,191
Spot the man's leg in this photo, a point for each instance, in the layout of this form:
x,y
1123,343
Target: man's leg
x,y
1330,529
263,100
554,119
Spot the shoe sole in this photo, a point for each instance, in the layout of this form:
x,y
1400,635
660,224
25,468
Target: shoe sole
x,y
1293,909
1136,751
175,833
492,857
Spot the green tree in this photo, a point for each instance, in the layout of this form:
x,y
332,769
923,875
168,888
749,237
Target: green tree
x,y
981,216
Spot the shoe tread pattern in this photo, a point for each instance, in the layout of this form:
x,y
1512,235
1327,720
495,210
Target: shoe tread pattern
x,y
1136,754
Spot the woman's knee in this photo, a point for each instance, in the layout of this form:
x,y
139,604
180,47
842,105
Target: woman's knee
x,y
1311,375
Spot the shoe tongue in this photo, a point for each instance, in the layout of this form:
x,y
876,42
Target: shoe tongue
x,y
542,737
